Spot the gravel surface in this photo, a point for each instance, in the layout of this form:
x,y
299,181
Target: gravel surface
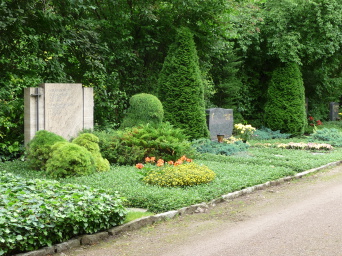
x,y
300,217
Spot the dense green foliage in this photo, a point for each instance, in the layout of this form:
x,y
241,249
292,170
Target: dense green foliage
x,y
190,174
69,159
91,143
213,147
37,213
133,145
118,47
39,149
181,88
285,107
143,109
264,133
332,136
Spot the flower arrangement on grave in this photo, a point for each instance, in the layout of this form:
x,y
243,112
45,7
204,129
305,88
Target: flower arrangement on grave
x,y
245,132
231,140
181,173
306,146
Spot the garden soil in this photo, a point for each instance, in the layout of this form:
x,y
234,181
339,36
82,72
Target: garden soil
x,y
301,217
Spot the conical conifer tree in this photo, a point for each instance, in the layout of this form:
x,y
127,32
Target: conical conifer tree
x,y
181,89
285,107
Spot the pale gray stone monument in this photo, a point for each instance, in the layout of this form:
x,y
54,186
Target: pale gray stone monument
x,y
64,109
220,122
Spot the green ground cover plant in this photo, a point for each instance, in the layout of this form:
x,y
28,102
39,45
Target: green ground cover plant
x,y
232,173
35,213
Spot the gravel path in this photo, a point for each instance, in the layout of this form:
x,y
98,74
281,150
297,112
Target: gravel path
x,y
301,217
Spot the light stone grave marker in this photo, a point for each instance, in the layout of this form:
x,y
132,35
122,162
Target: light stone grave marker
x,y
220,122
64,109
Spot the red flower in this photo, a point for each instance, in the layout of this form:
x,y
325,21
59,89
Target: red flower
x,y
311,118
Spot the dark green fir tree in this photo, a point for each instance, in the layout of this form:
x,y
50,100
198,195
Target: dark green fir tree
x,y
181,88
285,107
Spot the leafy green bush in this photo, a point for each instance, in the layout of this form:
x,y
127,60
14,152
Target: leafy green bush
x,y
190,174
39,148
144,109
267,134
37,213
181,88
285,106
213,147
90,142
133,145
69,159
332,136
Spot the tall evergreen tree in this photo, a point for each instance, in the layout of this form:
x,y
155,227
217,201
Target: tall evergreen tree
x,y
285,107
181,88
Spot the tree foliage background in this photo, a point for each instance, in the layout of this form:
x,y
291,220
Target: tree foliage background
x,y
118,47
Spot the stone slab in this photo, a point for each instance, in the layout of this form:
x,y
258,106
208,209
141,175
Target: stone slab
x,y
334,109
220,121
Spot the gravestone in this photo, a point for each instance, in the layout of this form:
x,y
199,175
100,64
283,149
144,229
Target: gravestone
x,y
334,108
220,122
64,109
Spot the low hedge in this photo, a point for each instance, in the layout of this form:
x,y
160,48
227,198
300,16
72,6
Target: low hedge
x,y
38,213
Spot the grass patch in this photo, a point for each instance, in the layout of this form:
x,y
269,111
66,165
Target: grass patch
x,y
236,172
132,215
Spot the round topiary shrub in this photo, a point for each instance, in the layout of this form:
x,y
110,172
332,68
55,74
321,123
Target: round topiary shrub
x,y
39,148
91,143
144,109
190,174
69,159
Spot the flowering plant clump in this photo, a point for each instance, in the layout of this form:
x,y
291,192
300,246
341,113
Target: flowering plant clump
x,y
183,172
244,131
151,164
190,174
231,140
313,122
306,146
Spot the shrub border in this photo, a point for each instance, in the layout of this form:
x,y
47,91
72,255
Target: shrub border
x,y
149,220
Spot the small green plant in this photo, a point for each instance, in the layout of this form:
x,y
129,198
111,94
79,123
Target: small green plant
x,y
69,159
144,109
213,147
132,145
39,148
90,142
35,213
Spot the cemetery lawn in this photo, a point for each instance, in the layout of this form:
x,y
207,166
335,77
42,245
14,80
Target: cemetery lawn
x,y
259,165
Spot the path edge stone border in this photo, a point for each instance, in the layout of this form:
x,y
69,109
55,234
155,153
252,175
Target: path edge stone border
x,y
149,220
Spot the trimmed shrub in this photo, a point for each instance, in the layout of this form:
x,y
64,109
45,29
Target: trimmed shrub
x,y
285,106
38,213
90,142
39,148
213,147
181,88
190,174
132,145
69,159
144,109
